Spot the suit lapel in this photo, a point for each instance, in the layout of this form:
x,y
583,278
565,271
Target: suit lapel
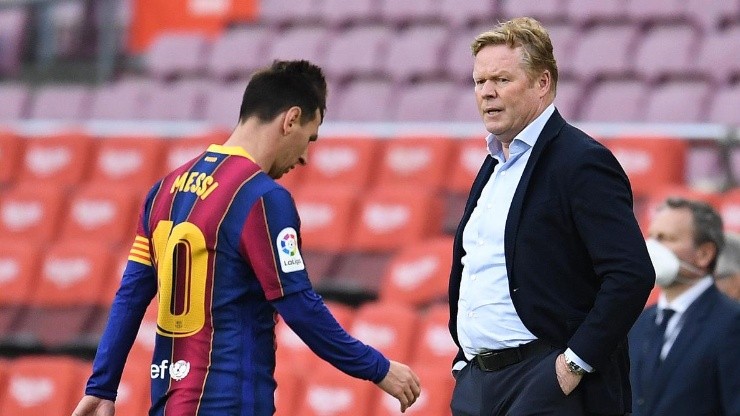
x,y
551,129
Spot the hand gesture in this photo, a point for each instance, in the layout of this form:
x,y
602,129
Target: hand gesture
x,y
401,383
94,406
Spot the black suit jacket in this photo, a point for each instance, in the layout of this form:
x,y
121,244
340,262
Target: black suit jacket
x,y
579,272
701,373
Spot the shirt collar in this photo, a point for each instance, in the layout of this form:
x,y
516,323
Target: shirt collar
x,y
230,150
685,299
527,136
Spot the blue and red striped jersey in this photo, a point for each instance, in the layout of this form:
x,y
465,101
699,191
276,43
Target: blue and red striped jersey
x,y
217,241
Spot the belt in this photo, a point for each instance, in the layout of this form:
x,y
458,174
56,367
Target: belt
x,y
494,360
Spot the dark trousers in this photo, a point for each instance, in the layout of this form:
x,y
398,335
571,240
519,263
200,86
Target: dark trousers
x,y
529,387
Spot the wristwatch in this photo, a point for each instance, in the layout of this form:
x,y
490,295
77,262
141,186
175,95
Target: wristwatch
x,y
573,367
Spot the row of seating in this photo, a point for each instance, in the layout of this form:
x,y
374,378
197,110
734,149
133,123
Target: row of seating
x,y
376,100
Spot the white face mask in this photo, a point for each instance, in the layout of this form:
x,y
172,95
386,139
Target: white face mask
x,y
667,264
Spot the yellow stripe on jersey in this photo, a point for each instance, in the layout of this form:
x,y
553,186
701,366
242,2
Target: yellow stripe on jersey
x,y
140,251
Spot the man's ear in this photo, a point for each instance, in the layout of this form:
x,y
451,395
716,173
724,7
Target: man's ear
x,y
292,119
705,253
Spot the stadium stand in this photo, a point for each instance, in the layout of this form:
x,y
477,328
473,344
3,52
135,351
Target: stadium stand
x,y
381,197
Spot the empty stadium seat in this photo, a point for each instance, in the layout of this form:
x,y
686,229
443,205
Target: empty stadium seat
x,y
461,14
184,149
69,294
724,104
31,212
563,37
713,59
464,107
132,162
392,217
650,162
60,159
425,101
42,386
19,265
418,274
121,100
300,42
615,100
569,95
666,50
408,11
174,54
289,391
545,11
61,102
11,152
390,327
364,100
103,213
587,12
705,167
357,273
175,101
280,12
678,102
342,12
435,348
331,392
327,215
458,59
345,60
222,104
415,161
14,98
416,52
468,159
657,11
342,162
239,52
604,50
134,397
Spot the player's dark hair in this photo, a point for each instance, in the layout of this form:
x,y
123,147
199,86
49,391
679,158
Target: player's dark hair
x,y
283,85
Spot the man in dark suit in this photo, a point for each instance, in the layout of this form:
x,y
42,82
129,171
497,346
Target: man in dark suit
x,y
550,269
685,351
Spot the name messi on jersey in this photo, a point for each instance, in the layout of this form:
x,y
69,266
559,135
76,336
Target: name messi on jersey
x,y
198,183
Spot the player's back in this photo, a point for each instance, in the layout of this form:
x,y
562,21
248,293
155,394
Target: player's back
x,y
211,239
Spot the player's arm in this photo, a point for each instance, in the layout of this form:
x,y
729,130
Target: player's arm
x,y
94,406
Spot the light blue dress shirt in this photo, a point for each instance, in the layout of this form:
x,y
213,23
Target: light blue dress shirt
x,y
487,319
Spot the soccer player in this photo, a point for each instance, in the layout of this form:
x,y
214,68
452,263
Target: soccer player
x,y
219,241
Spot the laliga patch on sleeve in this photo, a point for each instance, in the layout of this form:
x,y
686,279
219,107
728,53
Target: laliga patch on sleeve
x,y
288,254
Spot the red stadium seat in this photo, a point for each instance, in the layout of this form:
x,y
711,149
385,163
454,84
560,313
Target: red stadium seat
x,y
134,390
42,386
289,390
183,149
31,212
415,161
419,273
68,295
392,217
62,159
434,348
650,162
389,327
102,213
128,161
330,392
468,158
11,151
342,161
327,214
730,210
19,262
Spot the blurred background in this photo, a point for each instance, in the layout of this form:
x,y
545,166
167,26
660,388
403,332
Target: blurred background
x,y
100,98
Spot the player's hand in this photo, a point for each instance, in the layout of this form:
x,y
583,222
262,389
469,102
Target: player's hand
x,y
568,381
94,406
401,383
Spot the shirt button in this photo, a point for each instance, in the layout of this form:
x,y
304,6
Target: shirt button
x,y
503,173
470,314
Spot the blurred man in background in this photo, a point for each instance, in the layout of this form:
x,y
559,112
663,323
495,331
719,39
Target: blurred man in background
x,y
218,241
727,275
550,268
684,350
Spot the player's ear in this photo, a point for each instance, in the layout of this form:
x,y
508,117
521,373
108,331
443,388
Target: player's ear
x,y
292,119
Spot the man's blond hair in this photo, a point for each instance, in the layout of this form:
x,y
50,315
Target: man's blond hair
x,y
529,35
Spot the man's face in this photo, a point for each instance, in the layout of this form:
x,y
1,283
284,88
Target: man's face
x,y
293,148
507,99
674,228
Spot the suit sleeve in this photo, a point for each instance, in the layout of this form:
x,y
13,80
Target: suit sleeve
x,y
601,206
